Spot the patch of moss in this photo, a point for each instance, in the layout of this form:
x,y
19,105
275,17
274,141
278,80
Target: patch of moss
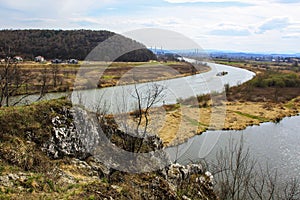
x,y
195,122
261,119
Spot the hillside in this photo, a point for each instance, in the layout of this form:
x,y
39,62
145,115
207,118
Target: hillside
x,y
43,155
66,44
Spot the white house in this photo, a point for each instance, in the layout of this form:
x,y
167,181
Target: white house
x,y
18,59
39,59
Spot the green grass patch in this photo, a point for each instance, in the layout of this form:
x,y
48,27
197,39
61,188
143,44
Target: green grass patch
x,y
194,122
108,77
262,119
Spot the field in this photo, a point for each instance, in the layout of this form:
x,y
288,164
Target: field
x,y
30,77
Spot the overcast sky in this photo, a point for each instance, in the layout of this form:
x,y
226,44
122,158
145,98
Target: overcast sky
x,y
239,25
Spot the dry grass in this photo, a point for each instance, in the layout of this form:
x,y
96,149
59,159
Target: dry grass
x,y
97,74
181,124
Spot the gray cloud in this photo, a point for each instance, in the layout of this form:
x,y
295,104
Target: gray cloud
x,y
229,30
274,24
287,1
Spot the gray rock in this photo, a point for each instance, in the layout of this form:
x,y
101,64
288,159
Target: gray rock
x,y
13,177
186,198
4,181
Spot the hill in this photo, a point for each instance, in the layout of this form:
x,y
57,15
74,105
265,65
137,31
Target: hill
x,y
44,156
66,44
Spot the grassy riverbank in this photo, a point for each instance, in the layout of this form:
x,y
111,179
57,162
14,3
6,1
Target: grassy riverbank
x,y
31,78
270,96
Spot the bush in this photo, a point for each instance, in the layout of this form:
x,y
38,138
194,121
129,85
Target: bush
x,y
275,79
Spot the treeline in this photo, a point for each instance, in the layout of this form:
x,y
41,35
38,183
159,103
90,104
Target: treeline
x,y
275,79
66,44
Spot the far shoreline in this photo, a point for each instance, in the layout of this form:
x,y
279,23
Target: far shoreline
x,y
246,105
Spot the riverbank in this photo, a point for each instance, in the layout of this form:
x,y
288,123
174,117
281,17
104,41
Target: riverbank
x,y
181,124
270,96
39,78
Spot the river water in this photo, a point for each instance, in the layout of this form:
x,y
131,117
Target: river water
x,y
174,89
277,144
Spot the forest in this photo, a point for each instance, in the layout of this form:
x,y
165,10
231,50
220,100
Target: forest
x,y
67,44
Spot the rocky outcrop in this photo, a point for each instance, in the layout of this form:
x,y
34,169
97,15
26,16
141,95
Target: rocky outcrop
x,y
69,159
71,136
177,172
77,133
181,177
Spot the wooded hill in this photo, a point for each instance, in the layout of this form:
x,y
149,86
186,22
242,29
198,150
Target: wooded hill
x,y
77,44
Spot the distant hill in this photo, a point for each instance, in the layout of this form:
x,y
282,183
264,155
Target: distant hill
x,y
66,44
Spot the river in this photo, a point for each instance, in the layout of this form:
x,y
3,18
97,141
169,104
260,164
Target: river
x,y
277,144
174,89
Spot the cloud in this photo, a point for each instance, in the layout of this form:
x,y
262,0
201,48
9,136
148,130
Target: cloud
x,y
291,36
236,1
203,1
278,23
84,22
225,3
54,8
229,30
288,1
36,20
243,20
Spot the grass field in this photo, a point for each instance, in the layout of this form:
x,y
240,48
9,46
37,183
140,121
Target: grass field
x,y
35,77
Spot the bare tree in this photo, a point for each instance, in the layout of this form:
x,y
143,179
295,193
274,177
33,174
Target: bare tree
x,y
138,128
145,102
101,108
239,176
55,71
233,170
291,190
12,78
44,79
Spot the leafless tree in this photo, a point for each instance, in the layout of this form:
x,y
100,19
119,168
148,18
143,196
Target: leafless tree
x,y
101,108
291,190
44,79
145,99
55,71
233,170
12,78
239,176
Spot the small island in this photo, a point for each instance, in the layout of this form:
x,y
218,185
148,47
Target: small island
x,y
222,73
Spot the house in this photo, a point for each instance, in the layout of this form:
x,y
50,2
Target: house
x,y
73,61
39,59
18,59
56,61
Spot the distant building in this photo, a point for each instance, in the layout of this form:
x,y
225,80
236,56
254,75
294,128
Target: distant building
x,y
56,61
73,61
18,59
39,59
